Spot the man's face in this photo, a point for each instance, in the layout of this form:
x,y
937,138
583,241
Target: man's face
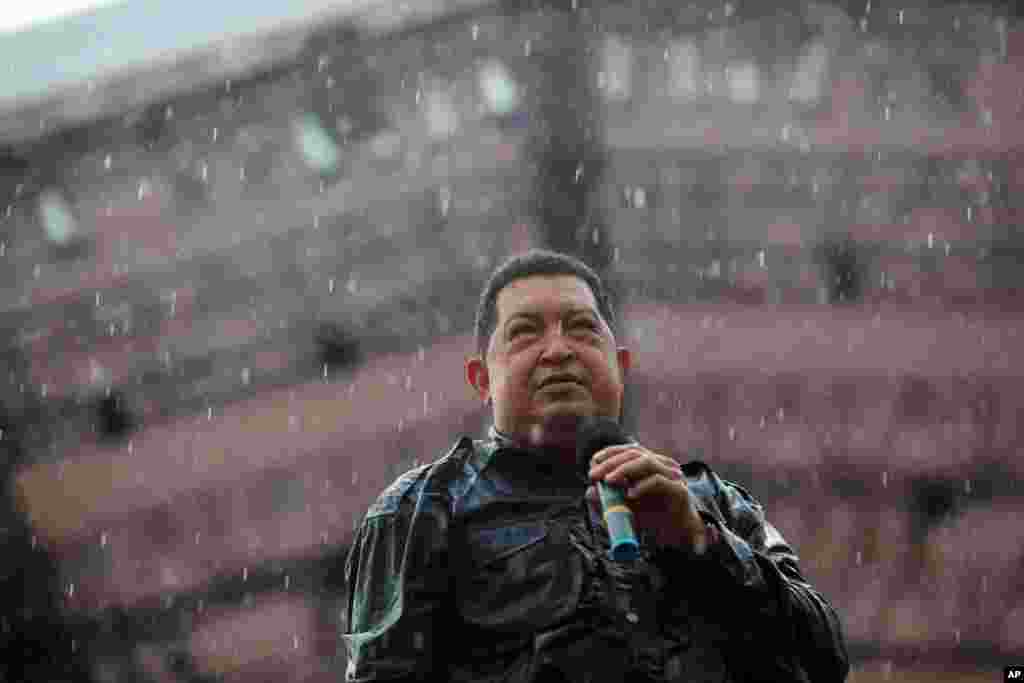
x,y
549,326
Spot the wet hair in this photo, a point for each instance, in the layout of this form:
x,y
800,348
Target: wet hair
x,y
528,264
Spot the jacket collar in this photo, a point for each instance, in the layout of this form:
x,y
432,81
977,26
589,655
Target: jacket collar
x,y
498,442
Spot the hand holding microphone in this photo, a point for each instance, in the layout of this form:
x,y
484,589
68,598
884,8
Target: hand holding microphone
x,y
593,435
659,499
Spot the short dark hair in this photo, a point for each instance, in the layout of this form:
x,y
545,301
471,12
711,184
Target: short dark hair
x,y
528,264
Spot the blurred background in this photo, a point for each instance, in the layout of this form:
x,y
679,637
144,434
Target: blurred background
x,y
241,245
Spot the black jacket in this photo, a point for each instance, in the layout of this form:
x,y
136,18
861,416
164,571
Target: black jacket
x,y
488,565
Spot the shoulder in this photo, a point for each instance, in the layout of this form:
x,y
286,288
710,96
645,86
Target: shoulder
x,y
438,475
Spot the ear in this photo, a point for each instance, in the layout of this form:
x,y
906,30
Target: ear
x,y
625,358
476,375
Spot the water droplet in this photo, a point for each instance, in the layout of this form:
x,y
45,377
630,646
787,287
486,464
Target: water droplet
x,y
209,413
900,15
71,590
885,479
195,538
527,48
732,433
760,258
295,642
287,581
246,375
216,133
476,31
931,240
103,539
445,196
330,286
245,573
107,160
860,558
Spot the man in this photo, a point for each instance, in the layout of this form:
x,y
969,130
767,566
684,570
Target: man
x,y
490,565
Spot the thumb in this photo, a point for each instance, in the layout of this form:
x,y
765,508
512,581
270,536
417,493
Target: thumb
x,y
593,499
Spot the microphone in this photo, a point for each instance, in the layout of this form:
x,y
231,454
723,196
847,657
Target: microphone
x,y
592,435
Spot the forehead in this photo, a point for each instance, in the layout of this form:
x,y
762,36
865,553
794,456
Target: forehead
x,y
545,294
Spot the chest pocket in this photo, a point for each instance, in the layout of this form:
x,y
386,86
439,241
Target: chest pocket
x,y
521,576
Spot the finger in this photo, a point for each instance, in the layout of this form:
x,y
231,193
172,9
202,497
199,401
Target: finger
x,y
656,484
641,467
613,460
609,452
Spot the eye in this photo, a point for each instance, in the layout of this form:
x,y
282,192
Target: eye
x,y
519,329
586,323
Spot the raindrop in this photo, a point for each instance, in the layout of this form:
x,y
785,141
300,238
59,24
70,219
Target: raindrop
x,y
445,195
900,15
316,222
967,485
216,133
732,433
860,558
330,286
71,590
527,46
3,248
595,236
287,581
103,539
246,374
885,479
195,538
204,171
760,258
476,31
245,573
36,271
295,642
209,413
931,240
106,162
763,422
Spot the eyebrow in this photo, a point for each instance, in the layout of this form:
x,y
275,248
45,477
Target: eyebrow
x,y
535,315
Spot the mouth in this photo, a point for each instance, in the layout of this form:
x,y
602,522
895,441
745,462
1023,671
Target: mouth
x,y
561,382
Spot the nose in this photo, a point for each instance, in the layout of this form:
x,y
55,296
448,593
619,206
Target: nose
x,y
557,347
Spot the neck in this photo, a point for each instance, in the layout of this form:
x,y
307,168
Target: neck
x,y
554,438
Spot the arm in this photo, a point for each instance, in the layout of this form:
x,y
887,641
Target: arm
x,y
396,581
755,575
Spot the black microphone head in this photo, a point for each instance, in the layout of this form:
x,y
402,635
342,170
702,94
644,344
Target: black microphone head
x,y
594,434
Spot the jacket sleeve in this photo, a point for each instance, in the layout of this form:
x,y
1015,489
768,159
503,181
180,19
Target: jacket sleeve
x,y
755,575
397,580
